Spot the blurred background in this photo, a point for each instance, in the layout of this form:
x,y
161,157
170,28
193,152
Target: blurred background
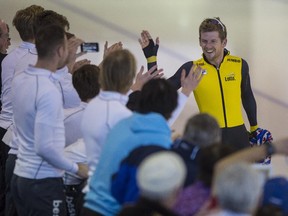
x,y
257,32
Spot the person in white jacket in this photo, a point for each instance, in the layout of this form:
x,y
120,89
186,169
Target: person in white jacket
x,y
38,116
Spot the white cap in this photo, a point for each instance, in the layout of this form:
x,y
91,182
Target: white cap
x,y
160,174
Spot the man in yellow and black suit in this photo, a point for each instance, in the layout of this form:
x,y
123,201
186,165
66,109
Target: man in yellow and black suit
x,y
225,87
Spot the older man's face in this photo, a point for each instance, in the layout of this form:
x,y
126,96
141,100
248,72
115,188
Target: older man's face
x,y
4,37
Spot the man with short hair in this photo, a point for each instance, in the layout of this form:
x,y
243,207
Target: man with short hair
x,y
38,117
224,89
23,22
4,44
64,84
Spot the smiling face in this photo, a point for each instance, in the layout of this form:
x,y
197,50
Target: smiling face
x,y
212,47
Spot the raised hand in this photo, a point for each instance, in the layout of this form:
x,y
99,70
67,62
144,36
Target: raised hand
x,y
112,48
73,44
191,81
148,45
142,78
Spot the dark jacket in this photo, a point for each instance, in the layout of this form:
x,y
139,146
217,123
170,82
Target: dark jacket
x,y
145,207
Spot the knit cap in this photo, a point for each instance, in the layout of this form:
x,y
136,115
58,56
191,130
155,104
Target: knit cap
x,y
160,174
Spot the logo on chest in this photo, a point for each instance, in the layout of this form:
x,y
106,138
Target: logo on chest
x,y
230,77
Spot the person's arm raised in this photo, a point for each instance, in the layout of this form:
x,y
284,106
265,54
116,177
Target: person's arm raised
x,y
150,48
110,49
142,78
252,155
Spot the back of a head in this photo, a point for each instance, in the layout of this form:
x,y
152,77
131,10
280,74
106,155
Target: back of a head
x,y
160,175
48,39
202,130
213,24
24,21
49,17
160,96
276,193
208,157
118,71
237,188
86,81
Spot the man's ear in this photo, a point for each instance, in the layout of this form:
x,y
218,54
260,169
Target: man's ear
x,y
60,51
225,42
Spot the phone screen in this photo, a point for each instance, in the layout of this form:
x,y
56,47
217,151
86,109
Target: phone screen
x,y
90,47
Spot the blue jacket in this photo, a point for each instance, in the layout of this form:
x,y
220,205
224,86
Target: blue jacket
x,y
128,134
124,183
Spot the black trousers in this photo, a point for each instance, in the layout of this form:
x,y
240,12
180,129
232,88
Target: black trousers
x,y
10,208
35,197
3,156
74,198
237,137
88,212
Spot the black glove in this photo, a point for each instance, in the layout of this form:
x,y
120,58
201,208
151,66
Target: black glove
x,y
150,53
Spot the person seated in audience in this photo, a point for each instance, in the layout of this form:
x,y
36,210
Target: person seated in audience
x,y
124,186
160,178
236,191
193,197
248,155
275,196
201,130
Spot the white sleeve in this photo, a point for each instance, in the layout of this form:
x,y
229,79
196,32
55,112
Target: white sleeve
x,y
49,132
50,148
182,99
71,97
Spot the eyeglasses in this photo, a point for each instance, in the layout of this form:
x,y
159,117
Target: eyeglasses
x,y
216,22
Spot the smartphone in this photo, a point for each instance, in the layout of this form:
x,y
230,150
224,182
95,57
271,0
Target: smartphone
x,y
90,47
